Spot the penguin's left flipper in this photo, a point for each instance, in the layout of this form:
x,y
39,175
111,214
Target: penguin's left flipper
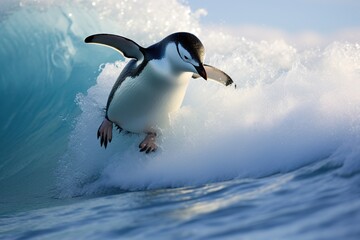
x,y
216,75
125,46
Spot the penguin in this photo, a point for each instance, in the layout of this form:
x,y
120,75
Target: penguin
x,y
153,83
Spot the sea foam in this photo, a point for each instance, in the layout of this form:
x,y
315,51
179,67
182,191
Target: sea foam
x,y
291,108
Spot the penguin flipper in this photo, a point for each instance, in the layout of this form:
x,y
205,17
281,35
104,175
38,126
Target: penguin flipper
x,y
125,46
216,75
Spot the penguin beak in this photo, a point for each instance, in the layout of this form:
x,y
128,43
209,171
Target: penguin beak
x,y
201,70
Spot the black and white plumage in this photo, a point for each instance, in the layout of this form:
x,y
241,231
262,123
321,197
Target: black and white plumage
x,y
153,83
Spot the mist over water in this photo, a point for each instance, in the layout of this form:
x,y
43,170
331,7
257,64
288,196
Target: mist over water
x,y
292,125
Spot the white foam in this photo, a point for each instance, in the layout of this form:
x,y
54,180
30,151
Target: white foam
x,y
292,108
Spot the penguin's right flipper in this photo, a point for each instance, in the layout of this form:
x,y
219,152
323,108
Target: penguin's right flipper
x,y
125,46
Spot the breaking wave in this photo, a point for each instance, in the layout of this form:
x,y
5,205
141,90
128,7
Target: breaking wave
x,y
291,107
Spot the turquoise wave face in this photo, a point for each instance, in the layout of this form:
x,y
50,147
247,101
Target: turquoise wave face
x,y
44,66
292,108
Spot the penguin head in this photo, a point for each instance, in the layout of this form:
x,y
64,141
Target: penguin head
x,y
189,55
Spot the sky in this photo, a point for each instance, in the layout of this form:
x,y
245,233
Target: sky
x,y
322,16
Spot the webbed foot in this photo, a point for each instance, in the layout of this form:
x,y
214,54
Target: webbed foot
x,y
105,132
148,144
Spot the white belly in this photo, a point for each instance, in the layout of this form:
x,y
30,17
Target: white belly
x,y
144,103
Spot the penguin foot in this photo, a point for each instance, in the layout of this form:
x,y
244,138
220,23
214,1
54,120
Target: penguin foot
x,y
148,144
105,132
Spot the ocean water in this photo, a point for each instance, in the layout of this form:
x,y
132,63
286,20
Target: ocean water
x,y
276,158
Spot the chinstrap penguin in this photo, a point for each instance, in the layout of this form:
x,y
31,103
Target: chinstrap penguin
x,y
152,84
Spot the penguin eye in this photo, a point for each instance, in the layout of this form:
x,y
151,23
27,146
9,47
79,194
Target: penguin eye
x,y
186,57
